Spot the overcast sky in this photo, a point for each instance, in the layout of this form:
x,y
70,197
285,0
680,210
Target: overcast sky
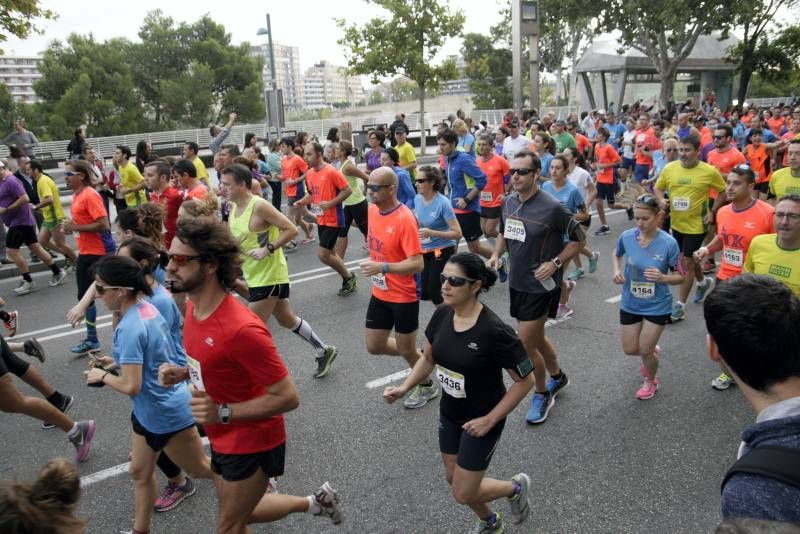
x,y
307,24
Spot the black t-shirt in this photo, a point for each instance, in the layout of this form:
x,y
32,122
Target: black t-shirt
x,y
469,364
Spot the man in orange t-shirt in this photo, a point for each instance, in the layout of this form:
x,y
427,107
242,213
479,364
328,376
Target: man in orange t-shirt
x,y
327,189
646,143
497,173
293,169
758,156
395,255
606,158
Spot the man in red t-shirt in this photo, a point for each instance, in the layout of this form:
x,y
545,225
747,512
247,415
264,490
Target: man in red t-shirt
x,y
646,143
240,384
395,255
157,177
326,190
497,173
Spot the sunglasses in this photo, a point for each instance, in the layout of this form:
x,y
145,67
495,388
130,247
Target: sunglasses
x,y
101,289
521,172
424,180
648,200
69,173
720,136
182,259
455,281
743,167
376,187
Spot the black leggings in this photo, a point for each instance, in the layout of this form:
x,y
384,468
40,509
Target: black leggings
x,y
433,267
358,213
277,189
10,362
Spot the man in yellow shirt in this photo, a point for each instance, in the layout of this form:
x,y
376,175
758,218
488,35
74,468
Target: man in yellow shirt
x,y
190,150
131,180
408,158
50,207
778,255
689,182
786,181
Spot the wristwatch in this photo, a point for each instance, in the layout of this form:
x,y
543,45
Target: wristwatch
x,y
270,248
557,262
224,413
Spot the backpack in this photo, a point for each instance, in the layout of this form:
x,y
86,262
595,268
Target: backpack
x,y
778,463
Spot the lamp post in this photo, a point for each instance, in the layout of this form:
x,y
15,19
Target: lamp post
x,y
273,82
530,27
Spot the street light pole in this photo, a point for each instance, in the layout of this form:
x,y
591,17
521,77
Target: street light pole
x,y
269,54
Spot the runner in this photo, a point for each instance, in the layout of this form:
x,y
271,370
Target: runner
x,y
327,188
184,173
240,385
514,142
293,169
51,411
468,345
50,207
578,176
405,186
688,183
628,154
545,149
262,232
16,213
561,137
496,170
786,181
407,156
737,224
778,255
90,220
131,181
606,160
190,151
534,228
651,254
157,175
465,182
646,143
570,197
395,254
355,206
161,419
438,229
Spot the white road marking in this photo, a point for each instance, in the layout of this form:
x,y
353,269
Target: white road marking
x,y
614,299
394,377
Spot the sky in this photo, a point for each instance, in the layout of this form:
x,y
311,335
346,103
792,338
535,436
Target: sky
x,y
291,24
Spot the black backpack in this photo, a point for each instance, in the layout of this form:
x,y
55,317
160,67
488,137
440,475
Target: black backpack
x,y
777,463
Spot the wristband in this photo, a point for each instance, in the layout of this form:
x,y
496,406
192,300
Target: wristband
x,y
384,268
103,379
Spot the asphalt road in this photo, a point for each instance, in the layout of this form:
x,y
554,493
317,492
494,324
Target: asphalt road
x,y
603,461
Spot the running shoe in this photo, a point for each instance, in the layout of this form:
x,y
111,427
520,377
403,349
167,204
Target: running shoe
x,y
541,403
502,269
703,288
348,285
172,495
83,441
58,279
484,527
576,274
722,382
420,395
11,324
325,361
85,346
678,312
556,385
648,389
603,230
68,402
291,246
520,503
563,312
709,266
329,503
24,288
308,240
593,262
69,267
32,347
629,211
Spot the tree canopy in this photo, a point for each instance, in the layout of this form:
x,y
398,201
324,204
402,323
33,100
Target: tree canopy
x,y
20,18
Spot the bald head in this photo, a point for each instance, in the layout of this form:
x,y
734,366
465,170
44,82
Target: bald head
x,y
383,176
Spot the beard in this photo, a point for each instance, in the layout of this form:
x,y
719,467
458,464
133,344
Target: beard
x,y
186,286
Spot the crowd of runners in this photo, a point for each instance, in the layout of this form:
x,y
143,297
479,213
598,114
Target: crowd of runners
x,y
192,268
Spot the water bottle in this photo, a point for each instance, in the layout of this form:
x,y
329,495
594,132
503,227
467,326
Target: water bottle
x,y
548,283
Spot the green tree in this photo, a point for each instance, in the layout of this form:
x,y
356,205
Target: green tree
x,y
760,28
21,17
425,27
488,70
666,33
8,108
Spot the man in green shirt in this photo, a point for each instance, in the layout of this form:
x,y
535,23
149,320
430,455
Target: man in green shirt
x,y
562,138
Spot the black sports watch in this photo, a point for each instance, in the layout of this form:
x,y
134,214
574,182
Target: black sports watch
x,y
224,412
270,248
557,262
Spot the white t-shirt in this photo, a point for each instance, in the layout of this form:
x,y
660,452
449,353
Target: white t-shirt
x,y
512,146
627,143
580,178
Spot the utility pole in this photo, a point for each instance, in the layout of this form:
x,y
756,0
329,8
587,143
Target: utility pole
x,y
516,55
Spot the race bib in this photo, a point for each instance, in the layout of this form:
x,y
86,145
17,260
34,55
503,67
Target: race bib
x,y
680,203
195,374
486,196
379,281
514,230
733,256
316,210
452,382
643,290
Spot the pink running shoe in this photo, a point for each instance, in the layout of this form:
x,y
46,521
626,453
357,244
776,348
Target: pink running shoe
x,y
648,389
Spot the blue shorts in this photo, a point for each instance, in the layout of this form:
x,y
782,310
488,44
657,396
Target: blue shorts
x,y
641,172
627,163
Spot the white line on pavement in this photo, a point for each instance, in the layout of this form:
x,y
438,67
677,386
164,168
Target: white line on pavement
x,y
614,299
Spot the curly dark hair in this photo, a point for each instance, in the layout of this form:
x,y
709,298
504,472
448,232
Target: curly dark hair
x,y
213,241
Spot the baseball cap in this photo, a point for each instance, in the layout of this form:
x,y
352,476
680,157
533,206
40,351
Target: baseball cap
x,y
400,129
561,122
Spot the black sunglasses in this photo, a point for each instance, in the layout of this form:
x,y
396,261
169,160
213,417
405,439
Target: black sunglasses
x,y
376,187
455,281
521,172
648,200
